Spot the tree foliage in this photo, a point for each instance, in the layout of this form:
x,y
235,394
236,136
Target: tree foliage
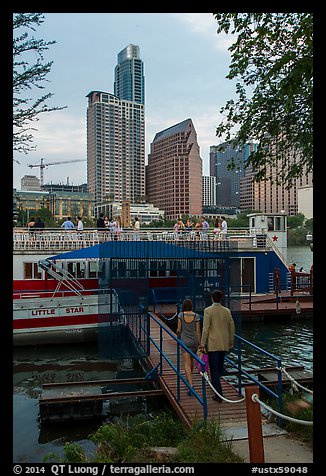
x,y
29,71
272,60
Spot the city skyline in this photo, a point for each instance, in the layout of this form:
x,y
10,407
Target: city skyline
x,y
185,68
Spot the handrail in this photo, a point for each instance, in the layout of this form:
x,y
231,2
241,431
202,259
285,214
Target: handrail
x,y
23,294
202,399
237,364
58,239
277,251
242,372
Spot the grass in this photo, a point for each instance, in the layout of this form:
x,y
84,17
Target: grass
x,y
132,439
295,406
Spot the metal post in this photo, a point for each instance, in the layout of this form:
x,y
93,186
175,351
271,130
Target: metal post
x,y
255,433
239,366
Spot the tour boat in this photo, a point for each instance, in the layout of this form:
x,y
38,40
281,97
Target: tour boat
x,y
68,286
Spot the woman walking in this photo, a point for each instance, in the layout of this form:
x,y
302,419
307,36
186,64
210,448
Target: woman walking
x,y
188,331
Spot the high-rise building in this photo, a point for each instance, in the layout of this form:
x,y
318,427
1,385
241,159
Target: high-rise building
x,y
268,196
174,171
116,134
30,182
129,81
209,190
228,180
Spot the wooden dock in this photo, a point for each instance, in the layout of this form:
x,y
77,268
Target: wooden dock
x,y
266,306
84,399
259,307
188,408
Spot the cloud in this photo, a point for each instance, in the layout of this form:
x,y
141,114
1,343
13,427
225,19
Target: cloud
x,y
60,136
205,25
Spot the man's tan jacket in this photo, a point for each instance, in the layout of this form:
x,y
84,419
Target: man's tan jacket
x,y
218,328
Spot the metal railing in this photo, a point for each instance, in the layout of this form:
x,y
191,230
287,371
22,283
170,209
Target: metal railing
x,y
242,372
144,337
59,239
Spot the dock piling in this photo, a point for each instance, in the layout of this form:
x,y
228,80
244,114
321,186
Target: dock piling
x,y
254,422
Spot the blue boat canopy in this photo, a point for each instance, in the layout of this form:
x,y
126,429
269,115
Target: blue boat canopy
x,y
133,249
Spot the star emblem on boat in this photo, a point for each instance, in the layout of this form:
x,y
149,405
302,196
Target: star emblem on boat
x,y
275,238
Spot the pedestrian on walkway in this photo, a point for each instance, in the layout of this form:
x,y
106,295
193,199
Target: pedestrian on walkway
x,y
188,331
218,338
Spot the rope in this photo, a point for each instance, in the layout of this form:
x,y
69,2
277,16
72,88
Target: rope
x,y
204,374
297,384
255,398
160,309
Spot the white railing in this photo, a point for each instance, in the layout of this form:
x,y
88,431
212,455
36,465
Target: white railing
x,y
58,239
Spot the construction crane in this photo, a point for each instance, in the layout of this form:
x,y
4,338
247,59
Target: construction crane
x,y
42,166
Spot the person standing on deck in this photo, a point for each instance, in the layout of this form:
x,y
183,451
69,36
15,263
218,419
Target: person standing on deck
x,y
224,229
188,331
218,334
100,225
136,227
68,224
39,224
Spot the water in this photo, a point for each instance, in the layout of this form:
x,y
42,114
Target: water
x,y
301,255
291,340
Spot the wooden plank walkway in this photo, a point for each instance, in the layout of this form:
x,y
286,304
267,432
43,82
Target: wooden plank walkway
x,y
189,409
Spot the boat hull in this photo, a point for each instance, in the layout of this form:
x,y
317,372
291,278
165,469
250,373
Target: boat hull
x,y
74,318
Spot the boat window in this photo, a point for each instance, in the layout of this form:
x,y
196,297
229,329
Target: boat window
x,y
70,268
253,222
122,269
162,268
32,271
142,269
270,223
279,224
153,268
92,269
80,269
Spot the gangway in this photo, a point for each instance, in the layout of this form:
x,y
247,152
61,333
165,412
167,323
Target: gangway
x,y
62,276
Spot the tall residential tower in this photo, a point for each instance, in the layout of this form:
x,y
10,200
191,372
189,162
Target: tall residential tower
x,y
116,134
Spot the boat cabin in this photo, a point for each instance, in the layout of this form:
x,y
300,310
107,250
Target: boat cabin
x,y
273,225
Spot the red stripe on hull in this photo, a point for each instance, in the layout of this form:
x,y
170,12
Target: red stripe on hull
x,y
48,322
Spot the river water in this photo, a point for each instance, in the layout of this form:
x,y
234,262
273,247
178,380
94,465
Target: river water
x,y
290,340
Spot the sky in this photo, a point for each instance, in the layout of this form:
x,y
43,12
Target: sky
x,y
185,66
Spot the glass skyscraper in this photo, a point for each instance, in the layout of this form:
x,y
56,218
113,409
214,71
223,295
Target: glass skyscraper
x,y
228,181
129,82
116,134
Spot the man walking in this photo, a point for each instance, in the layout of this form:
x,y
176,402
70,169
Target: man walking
x,y
218,333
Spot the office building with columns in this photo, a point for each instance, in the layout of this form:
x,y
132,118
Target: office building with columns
x,y
174,171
